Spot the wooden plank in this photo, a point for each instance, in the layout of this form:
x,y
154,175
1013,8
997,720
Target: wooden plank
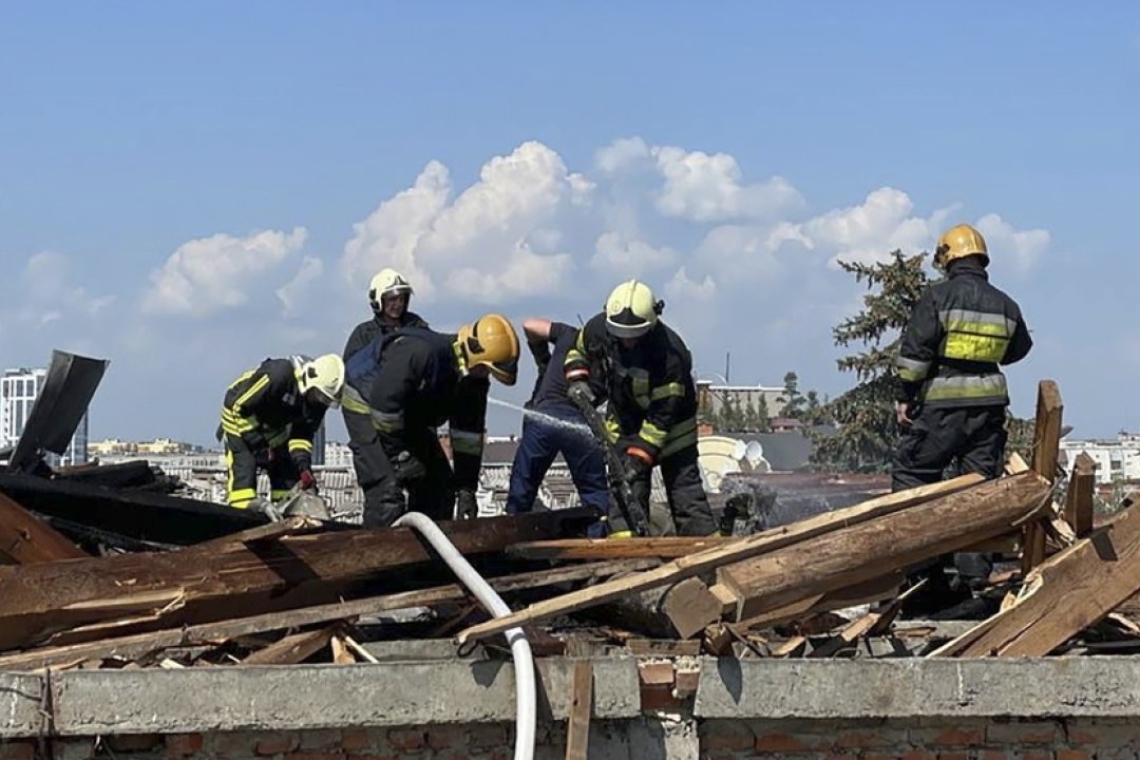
x,y
848,596
26,540
581,708
269,532
341,655
1046,450
1072,590
889,543
138,645
213,581
691,608
292,649
709,559
1016,464
1079,497
664,547
663,647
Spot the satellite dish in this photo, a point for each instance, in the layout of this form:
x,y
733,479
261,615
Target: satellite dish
x,y
753,452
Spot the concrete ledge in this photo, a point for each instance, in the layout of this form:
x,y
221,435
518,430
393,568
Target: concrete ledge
x,y
21,705
910,688
90,703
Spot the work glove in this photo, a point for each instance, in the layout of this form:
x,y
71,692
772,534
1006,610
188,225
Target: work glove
x,y
637,467
466,505
308,481
407,468
580,393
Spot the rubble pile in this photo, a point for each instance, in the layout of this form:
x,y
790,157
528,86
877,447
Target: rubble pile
x,y
105,567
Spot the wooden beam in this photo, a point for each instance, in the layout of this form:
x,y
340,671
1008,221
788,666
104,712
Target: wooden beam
x,y
664,547
848,596
1079,497
889,543
292,649
691,607
581,708
1070,591
290,526
1046,449
26,540
214,582
709,559
138,645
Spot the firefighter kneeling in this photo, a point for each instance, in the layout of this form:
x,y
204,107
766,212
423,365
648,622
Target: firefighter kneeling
x,y
269,417
652,411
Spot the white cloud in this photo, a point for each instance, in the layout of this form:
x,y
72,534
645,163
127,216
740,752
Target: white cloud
x,y
292,293
48,295
702,187
218,272
683,286
621,155
1002,239
618,254
869,231
490,244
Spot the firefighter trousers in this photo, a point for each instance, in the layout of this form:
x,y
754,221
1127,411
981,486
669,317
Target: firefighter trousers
x,y
962,440
950,442
242,464
396,492
688,502
368,458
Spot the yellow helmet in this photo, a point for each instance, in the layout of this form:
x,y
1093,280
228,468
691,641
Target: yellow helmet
x,y
957,243
387,282
631,310
325,374
491,340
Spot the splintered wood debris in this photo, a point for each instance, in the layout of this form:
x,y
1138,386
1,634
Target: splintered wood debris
x,y
84,586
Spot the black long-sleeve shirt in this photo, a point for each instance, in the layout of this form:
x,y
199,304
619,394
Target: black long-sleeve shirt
x,y
419,384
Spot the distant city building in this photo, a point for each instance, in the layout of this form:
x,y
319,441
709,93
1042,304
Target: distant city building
x,y
1116,460
337,454
19,389
713,398
319,446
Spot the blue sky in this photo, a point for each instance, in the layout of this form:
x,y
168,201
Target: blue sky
x,y
187,189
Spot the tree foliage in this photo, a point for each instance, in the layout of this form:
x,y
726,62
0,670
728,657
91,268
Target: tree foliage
x,y
867,431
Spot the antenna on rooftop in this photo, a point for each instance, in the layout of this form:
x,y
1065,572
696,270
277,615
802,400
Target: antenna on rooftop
x,y
727,366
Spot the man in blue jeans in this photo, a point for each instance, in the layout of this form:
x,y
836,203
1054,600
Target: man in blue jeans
x,y
543,438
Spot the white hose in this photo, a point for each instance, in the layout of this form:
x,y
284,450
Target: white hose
x,y
526,702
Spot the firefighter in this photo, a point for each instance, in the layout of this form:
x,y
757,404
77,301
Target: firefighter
x,y
652,411
420,380
557,428
269,417
389,295
952,396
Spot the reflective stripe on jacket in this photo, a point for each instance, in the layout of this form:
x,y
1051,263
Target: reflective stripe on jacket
x,y
960,333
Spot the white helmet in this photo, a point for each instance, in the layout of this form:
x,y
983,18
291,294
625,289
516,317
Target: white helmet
x,y
631,310
387,282
325,374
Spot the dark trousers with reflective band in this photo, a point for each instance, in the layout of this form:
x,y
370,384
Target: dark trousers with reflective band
x,y
688,503
242,464
368,458
431,494
959,440
541,442
965,439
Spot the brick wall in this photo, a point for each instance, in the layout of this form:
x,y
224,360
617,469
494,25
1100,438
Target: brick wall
x,y
918,739
718,740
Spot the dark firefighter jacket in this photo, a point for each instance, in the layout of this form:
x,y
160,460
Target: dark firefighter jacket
x,y
366,332
420,383
652,399
961,331
264,407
